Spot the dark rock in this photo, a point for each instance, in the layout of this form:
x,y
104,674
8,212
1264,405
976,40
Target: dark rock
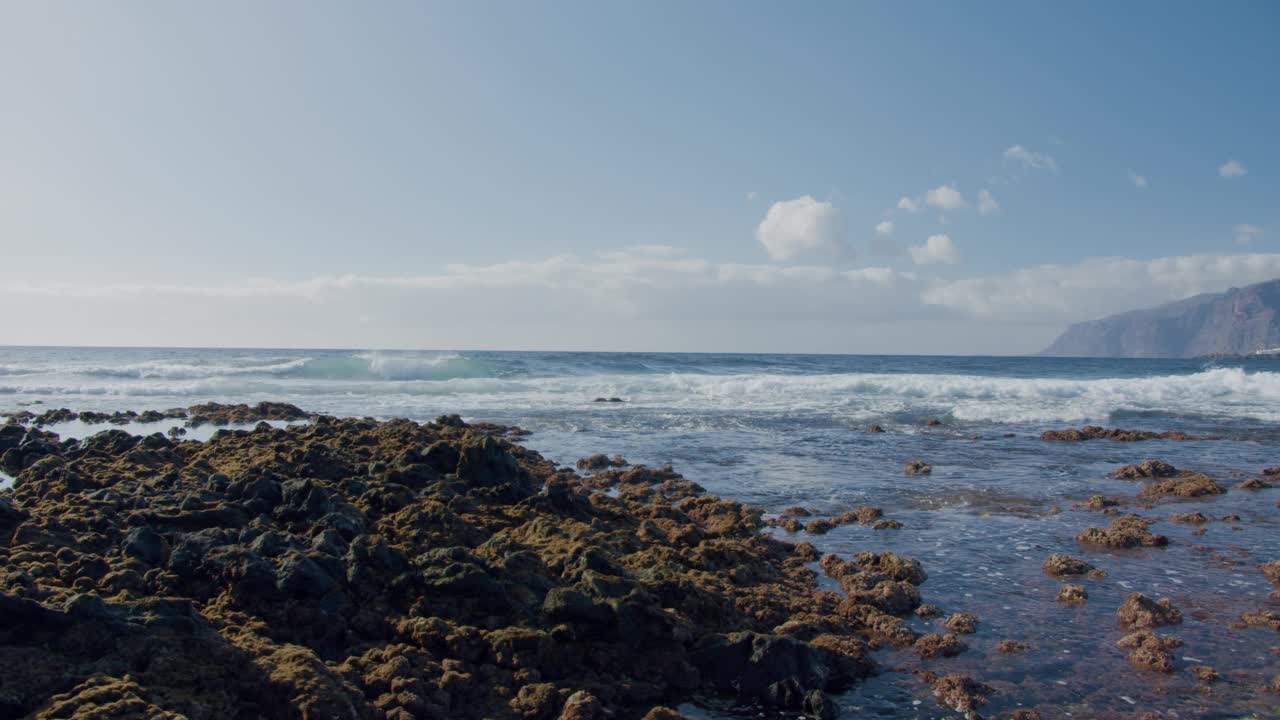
x,y
144,544
568,605
302,576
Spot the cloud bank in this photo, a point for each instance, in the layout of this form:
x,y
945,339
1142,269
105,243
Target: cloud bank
x,y
642,297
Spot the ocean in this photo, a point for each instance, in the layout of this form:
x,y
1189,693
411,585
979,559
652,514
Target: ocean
x,y
783,430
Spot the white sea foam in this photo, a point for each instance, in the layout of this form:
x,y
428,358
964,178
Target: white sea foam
x,y
397,383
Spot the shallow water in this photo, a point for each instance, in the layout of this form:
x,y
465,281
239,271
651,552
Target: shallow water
x,y
786,430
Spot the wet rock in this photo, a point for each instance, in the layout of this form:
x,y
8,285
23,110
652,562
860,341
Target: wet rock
x,y
933,422
818,704
917,467
1094,432
1253,484
1261,618
1060,565
1140,611
1190,518
864,515
600,461
886,524
795,511
936,646
1149,651
1073,594
885,581
929,612
1025,714
242,414
820,526
1099,503
1146,470
1205,674
1125,531
960,692
874,428
775,671
1011,646
962,622
1189,485
790,524
1271,570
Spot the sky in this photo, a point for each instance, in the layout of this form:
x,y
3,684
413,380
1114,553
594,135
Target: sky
x,y
871,177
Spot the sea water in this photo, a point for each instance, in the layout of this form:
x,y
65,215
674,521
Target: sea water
x,y
782,430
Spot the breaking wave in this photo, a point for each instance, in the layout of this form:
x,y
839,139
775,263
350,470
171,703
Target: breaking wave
x,y
409,382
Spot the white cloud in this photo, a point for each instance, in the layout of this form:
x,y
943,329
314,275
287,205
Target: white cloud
x,y
802,226
1137,180
1098,287
945,197
1232,169
885,228
1029,160
908,204
937,249
987,203
1246,233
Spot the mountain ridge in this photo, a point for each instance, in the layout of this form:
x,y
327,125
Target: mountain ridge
x,y
1238,321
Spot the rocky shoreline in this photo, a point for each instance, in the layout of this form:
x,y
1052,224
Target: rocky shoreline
x,y
354,568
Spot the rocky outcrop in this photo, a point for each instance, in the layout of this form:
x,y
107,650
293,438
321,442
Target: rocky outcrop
x,y
1239,321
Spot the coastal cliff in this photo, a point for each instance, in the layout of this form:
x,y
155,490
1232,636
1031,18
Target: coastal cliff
x,y
1240,321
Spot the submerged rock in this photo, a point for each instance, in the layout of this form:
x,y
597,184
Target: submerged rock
x,y
1140,611
1146,469
1125,531
1271,570
1186,485
962,622
1094,432
936,646
1149,651
1073,594
917,467
1059,565
960,692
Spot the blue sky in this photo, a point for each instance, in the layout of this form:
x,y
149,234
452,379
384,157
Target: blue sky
x,y
512,174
